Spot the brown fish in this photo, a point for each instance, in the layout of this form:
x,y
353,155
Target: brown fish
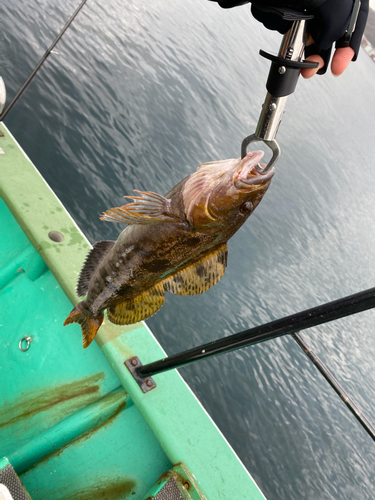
x,y
175,243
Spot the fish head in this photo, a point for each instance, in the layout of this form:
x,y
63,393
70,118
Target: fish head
x,y
225,192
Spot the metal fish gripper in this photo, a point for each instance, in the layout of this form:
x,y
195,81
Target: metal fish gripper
x,y
282,80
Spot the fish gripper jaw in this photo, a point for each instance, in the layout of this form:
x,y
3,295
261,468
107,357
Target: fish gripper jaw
x,y
272,144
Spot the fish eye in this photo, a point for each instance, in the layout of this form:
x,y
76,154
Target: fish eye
x,y
246,207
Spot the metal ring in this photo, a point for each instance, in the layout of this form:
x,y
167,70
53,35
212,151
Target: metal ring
x,y
271,144
28,341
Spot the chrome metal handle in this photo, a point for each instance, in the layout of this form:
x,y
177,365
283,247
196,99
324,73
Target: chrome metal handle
x,y
291,51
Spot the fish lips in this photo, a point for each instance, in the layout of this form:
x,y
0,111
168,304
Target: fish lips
x,y
249,174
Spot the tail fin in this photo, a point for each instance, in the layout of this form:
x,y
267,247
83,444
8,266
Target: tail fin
x,y
89,324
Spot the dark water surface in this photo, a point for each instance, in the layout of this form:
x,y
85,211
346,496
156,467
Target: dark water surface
x,y
138,95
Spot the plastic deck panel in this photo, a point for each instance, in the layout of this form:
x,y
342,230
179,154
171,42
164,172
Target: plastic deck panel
x,y
178,422
67,426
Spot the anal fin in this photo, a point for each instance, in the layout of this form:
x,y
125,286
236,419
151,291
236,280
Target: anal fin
x,y
199,276
138,308
93,259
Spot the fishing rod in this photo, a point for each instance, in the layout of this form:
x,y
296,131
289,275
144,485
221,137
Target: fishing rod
x,y
40,63
290,325
319,315
335,384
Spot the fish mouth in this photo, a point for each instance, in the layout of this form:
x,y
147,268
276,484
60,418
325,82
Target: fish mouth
x,y
249,174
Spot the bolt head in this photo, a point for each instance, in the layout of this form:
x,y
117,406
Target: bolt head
x,y
149,383
282,70
272,107
134,362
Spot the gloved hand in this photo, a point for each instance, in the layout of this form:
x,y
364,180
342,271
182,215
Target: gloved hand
x,y
330,22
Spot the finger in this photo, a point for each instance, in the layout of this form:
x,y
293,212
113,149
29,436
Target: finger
x,y
309,72
341,59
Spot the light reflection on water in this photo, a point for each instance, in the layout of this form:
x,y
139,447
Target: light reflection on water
x,y
140,94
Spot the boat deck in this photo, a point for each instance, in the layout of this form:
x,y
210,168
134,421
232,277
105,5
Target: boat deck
x,y
73,423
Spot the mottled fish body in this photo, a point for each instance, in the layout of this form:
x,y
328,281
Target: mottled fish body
x,y
174,243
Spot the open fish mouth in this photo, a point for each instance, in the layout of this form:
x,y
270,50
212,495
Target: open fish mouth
x,y
249,173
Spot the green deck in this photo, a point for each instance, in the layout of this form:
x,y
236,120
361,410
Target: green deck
x,y
73,423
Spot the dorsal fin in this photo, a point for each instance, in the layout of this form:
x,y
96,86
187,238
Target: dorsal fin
x,y
149,208
200,276
93,259
138,308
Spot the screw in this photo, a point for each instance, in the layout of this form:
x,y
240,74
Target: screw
x,y
134,362
282,70
272,107
149,382
187,485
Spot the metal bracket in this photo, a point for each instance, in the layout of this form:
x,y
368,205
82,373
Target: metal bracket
x,y
145,383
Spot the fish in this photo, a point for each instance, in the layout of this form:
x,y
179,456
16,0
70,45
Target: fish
x,y
174,243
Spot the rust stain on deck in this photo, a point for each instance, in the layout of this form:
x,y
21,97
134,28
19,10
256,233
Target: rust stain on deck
x,y
81,392
107,488
116,400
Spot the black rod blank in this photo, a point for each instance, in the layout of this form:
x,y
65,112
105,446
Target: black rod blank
x,y
47,53
335,384
324,313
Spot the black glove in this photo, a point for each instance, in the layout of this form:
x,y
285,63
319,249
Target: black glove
x,y
330,22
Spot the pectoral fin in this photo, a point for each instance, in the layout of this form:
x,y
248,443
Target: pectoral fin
x,y
150,208
200,276
138,308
